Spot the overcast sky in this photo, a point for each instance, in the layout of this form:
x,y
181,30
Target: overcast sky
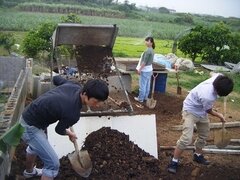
x,y
224,8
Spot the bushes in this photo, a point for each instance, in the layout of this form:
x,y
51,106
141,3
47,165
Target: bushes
x,y
7,41
184,19
213,44
66,9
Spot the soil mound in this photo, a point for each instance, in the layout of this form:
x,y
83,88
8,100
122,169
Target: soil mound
x,y
114,156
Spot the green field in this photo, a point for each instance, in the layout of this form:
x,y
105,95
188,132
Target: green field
x,y
123,47
133,47
11,20
129,42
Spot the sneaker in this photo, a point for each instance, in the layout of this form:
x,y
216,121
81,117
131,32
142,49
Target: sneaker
x,y
200,159
136,99
172,167
34,173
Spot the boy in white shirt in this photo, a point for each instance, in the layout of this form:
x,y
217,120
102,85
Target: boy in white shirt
x,y
196,106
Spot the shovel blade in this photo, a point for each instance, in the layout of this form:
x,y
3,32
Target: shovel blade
x,y
221,138
151,103
81,163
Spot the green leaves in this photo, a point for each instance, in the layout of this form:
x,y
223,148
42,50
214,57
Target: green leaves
x,y
7,41
213,44
38,40
11,137
71,18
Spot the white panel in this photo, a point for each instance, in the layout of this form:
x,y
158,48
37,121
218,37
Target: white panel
x,y
140,128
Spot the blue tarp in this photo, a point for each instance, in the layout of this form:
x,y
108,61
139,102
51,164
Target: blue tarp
x,y
161,59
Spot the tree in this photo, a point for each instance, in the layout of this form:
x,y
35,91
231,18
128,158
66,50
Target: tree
x,y
38,40
1,2
192,44
213,44
163,10
7,41
68,49
217,39
71,18
233,54
126,7
184,18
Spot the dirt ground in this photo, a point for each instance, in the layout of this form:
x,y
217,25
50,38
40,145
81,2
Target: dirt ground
x,y
137,164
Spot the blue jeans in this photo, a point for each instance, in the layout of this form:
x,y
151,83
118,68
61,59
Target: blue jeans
x,y
144,85
39,145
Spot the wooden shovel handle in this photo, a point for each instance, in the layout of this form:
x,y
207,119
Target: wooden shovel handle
x,y
153,82
225,106
177,76
114,100
224,110
75,141
224,113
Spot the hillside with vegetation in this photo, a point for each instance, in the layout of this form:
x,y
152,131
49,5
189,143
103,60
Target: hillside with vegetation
x,y
132,21
20,19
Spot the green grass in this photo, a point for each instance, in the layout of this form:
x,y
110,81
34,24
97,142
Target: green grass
x,y
18,36
3,52
23,21
3,98
188,80
123,47
39,68
133,47
129,42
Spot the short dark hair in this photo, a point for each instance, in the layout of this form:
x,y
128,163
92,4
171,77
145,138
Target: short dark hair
x,y
96,88
223,85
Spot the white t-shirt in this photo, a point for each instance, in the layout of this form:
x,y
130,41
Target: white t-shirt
x,y
148,68
201,98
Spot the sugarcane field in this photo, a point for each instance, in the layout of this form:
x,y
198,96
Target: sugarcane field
x,y
87,106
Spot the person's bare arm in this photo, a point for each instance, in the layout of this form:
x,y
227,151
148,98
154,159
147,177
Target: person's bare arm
x,y
72,136
140,69
217,114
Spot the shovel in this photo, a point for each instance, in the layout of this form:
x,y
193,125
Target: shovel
x,y
151,103
179,89
222,137
80,160
122,104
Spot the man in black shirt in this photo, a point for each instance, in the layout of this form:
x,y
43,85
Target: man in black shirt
x,y
62,104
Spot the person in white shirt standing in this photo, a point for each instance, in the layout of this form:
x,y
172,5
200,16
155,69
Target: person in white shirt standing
x,y
145,70
197,105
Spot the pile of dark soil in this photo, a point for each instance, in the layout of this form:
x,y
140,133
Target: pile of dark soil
x,y
115,157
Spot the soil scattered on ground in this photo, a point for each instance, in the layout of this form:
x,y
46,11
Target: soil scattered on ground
x,y
115,157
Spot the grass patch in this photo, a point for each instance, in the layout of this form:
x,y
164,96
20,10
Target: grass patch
x,y
123,47
3,98
188,80
39,68
133,47
14,20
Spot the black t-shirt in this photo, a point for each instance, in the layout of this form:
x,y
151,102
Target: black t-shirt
x,y
62,104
